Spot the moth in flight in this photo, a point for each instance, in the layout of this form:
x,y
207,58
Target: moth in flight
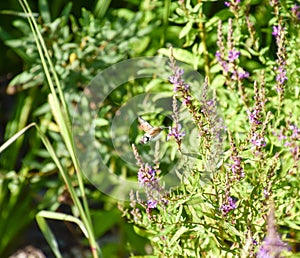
x,y
151,133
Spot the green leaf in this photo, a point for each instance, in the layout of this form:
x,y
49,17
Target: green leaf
x,y
218,81
104,220
24,81
245,53
67,10
48,234
63,217
292,224
186,29
177,235
101,8
22,26
15,137
181,55
44,11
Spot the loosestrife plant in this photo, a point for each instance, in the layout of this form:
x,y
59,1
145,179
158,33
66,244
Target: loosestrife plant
x,y
238,191
249,206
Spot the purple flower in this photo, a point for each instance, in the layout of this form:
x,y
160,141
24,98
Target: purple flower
x,y
295,132
232,3
222,62
152,204
254,116
281,76
208,107
239,75
272,245
184,93
218,56
187,100
243,75
147,177
233,55
276,31
176,78
236,164
146,174
295,8
295,152
230,69
295,11
229,205
149,181
186,86
258,141
178,82
175,132
281,73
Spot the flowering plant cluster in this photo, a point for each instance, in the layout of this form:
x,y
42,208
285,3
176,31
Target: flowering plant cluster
x,y
149,181
248,162
222,181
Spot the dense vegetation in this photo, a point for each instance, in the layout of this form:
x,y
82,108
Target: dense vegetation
x,y
151,128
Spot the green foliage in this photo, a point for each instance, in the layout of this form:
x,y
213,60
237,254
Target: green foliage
x,y
259,164
13,205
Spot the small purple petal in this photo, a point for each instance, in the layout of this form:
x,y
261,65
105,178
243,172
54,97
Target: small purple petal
x,y
233,55
152,204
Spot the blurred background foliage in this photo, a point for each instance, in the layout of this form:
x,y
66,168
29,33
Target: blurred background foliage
x,y
83,38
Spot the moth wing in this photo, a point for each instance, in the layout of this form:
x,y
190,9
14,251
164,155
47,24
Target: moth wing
x,y
144,125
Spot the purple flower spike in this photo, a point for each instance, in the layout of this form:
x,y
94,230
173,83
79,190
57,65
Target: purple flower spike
x,y
229,61
236,168
149,181
272,245
176,78
281,76
281,71
229,205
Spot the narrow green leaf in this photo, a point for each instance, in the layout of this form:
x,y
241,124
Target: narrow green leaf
x,y
101,8
67,10
64,217
15,137
44,11
177,235
186,29
48,234
19,14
